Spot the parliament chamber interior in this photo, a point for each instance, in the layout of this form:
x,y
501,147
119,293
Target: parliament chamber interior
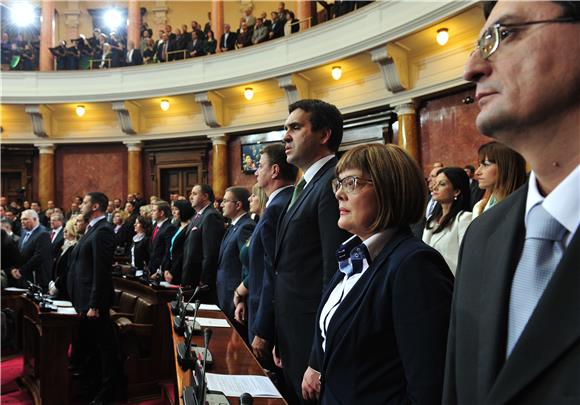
x,y
168,119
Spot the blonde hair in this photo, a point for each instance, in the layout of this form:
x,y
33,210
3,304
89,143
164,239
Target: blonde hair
x,y
69,227
262,197
399,186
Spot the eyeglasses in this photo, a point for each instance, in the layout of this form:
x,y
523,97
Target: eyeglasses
x,y
490,40
349,184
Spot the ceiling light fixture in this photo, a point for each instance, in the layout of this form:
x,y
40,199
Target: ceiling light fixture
x,y
249,93
442,36
336,72
80,110
164,104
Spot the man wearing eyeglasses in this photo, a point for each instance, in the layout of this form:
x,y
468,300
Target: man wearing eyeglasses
x,y
308,235
515,323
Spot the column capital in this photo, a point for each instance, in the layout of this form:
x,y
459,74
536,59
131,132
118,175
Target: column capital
x,y
135,146
45,148
406,108
160,13
72,18
218,139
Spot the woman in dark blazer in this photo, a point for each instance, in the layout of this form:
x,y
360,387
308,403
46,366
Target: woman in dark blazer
x,y
173,262
140,245
381,327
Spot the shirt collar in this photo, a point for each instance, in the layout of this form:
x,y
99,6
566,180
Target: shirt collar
x,y
236,219
352,249
562,203
203,209
33,229
315,168
95,220
275,193
158,224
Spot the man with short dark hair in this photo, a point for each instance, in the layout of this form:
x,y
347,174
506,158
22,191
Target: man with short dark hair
x,y
90,287
276,177
201,248
229,270
514,336
308,235
161,237
56,234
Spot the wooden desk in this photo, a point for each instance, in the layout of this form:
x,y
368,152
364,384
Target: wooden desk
x,y
46,339
230,356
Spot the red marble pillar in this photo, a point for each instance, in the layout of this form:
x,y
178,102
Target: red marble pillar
x,y
408,134
217,20
134,23
304,13
47,36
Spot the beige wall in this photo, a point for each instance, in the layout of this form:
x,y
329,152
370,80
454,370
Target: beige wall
x,y
178,13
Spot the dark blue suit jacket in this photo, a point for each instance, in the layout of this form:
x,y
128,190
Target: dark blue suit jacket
x,y
159,246
386,341
36,257
229,270
261,276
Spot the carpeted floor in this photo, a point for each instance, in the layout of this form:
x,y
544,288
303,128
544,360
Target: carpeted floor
x,y
12,394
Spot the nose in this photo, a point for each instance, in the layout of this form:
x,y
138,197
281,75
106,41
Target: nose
x,y
287,138
478,171
340,195
476,67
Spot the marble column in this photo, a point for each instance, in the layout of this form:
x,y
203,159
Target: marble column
x,y
408,132
134,168
47,36
217,20
219,165
134,23
45,173
304,12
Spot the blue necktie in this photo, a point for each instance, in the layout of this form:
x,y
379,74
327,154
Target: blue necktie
x,y
543,249
25,239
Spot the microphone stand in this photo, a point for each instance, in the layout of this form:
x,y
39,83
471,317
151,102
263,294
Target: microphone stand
x,y
176,305
179,321
184,349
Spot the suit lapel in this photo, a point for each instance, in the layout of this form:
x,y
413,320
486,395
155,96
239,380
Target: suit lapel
x,y
551,330
290,213
502,251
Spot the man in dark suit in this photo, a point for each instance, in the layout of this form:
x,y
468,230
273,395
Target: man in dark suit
x,y
276,177
475,192
201,248
277,29
229,270
195,46
228,39
56,234
134,57
308,235
42,219
515,326
165,45
34,248
90,287
162,234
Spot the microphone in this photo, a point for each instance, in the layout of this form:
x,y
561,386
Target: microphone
x,y
207,332
184,349
179,321
246,399
195,326
175,305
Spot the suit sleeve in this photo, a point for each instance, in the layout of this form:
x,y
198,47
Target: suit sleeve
x,y
331,235
463,223
421,292
264,322
166,261
213,232
245,234
102,248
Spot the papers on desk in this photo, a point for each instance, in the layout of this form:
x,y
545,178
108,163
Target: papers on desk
x,y
236,385
15,289
64,304
209,307
66,311
210,322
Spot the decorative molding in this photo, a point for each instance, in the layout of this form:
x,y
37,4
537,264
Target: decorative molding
x,y
128,116
160,13
133,146
218,139
72,18
211,107
406,109
45,148
394,66
290,90
41,117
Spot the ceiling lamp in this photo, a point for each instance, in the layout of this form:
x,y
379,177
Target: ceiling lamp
x,y
249,93
80,110
442,36
336,72
164,104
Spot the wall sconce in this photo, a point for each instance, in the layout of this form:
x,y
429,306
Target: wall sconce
x,y
164,104
336,72
442,36
249,93
80,110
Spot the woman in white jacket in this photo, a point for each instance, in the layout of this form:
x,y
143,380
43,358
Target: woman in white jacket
x,y
450,218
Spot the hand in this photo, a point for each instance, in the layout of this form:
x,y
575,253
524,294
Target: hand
x,y
167,276
16,274
93,313
311,384
260,347
277,360
240,313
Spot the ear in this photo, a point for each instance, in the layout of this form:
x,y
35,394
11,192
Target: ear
x,y
325,136
275,171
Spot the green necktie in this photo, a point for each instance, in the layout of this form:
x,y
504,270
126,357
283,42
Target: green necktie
x,y
297,191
